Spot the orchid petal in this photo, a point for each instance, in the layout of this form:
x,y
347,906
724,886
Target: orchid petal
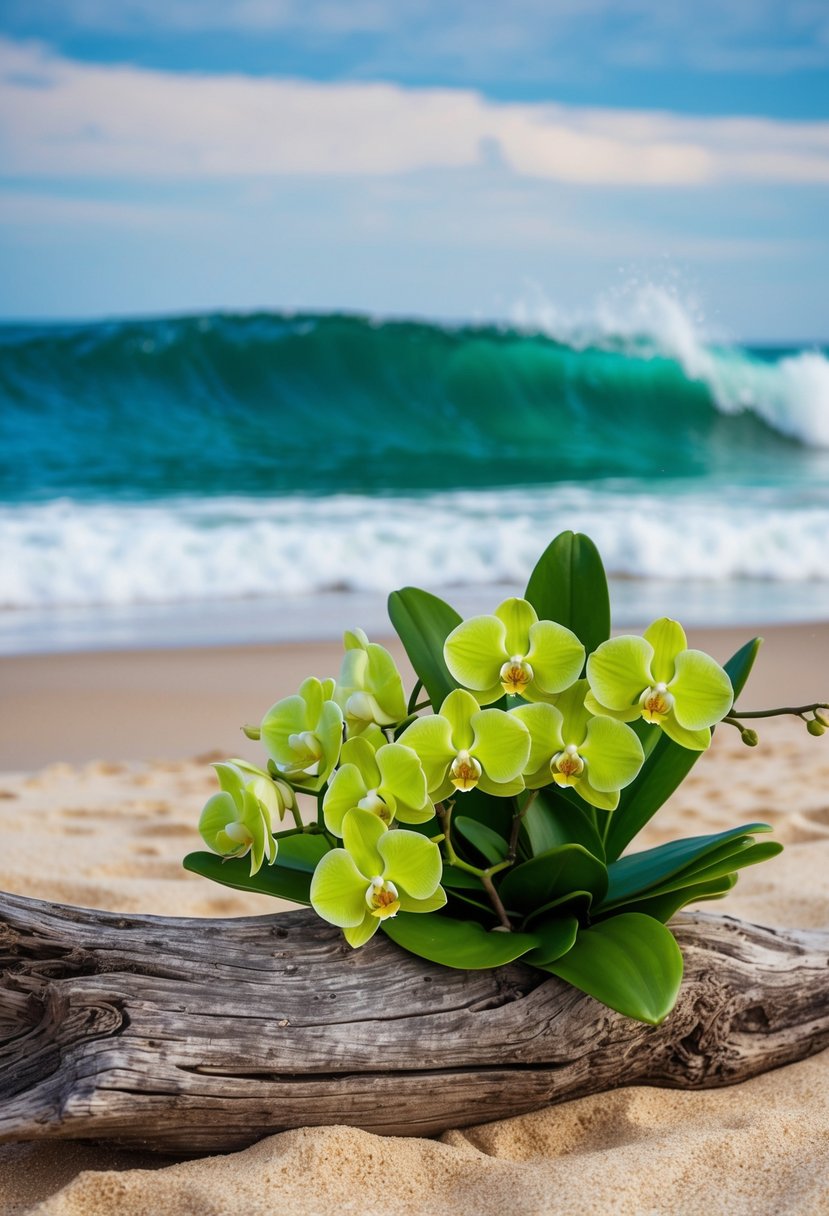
x,y
575,714
432,904
518,616
219,811
613,753
475,651
362,933
668,640
338,890
604,800
501,744
361,832
359,751
693,740
311,692
404,782
702,690
343,795
619,715
556,656
431,739
618,671
411,862
459,708
543,721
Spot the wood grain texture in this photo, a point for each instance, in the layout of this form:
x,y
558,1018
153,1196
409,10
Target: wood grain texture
x,y
199,1036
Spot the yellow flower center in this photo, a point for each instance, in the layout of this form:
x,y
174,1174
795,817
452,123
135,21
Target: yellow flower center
x,y
567,766
656,703
465,772
515,675
382,899
374,803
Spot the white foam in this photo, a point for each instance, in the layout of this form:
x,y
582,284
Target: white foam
x,y
64,553
791,394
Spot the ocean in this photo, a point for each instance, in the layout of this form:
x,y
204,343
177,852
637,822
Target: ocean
x,y
231,478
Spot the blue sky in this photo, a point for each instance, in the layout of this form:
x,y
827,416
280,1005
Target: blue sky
x,y
466,160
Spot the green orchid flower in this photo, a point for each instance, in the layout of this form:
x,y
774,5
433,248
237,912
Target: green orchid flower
x,y
370,689
377,874
656,677
238,820
388,782
303,734
465,746
597,756
513,652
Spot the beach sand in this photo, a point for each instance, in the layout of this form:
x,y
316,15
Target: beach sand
x,y
103,771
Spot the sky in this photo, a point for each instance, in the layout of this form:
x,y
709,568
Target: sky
x,y
467,161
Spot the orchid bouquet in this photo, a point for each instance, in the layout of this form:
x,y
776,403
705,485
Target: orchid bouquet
x,y
483,818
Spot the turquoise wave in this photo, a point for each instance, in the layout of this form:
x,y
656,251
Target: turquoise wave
x,y
270,404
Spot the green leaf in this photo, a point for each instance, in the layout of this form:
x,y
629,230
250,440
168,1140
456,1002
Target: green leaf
x,y
639,872
569,585
558,935
494,812
560,871
630,962
235,872
457,943
460,880
491,846
553,819
576,903
423,622
666,767
750,854
662,905
302,852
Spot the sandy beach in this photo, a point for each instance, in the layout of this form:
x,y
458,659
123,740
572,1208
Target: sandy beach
x,y
104,767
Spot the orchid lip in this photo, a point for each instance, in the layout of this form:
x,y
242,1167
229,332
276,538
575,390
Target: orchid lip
x,y
515,675
465,772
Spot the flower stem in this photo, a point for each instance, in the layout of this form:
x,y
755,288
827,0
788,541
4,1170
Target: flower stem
x,y
516,825
413,698
797,710
444,814
495,899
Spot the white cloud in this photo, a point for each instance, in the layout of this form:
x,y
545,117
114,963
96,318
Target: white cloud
x,y
65,119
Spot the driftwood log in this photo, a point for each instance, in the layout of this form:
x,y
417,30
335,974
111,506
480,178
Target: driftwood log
x,y
198,1036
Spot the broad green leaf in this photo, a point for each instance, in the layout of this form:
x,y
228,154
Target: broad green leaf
x,y
576,903
750,855
460,880
554,818
639,872
302,852
235,872
423,622
489,844
457,943
557,872
568,585
630,962
558,935
662,905
666,767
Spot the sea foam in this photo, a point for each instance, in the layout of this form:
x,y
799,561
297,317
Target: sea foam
x,y
65,553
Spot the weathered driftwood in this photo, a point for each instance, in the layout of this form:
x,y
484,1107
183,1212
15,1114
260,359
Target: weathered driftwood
x,y
195,1036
